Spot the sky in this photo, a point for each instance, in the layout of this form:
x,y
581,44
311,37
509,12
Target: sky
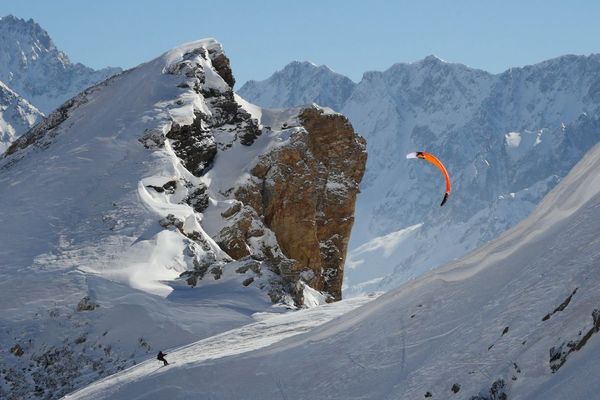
x,y
350,36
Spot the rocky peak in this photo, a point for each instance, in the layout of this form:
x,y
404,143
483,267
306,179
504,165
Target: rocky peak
x,y
29,32
31,65
195,143
301,82
432,60
17,115
220,63
297,67
305,192
293,217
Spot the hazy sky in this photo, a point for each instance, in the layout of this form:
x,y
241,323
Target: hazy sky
x,y
349,36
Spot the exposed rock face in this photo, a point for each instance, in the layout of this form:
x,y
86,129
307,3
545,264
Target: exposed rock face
x,y
86,304
221,63
305,192
559,354
297,212
194,143
243,226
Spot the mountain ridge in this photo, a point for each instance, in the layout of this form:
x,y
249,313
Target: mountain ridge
x,y
331,94
33,67
17,115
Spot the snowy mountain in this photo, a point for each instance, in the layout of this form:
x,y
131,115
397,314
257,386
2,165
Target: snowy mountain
x,y
33,67
16,116
506,140
516,319
300,83
157,208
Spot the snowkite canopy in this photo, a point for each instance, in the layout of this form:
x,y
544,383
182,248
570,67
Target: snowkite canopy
x,y
434,160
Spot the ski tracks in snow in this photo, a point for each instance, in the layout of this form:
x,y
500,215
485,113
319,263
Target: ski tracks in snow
x,y
241,340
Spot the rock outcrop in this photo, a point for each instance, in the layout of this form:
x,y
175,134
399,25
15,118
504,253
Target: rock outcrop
x,y
195,143
296,212
305,192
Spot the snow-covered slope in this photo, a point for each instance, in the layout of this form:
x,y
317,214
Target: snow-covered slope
x,y
506,140
516,319
111,209
33,67
16,116
85,264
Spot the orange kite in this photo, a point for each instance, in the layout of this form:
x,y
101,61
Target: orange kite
x,y
434,160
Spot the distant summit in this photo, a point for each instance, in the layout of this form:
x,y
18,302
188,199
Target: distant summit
x,y
300,82
32,66
432,59
16,116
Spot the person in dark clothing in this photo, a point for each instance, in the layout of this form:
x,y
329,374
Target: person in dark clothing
x,y
161,357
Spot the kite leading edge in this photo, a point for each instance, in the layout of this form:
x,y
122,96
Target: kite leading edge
x,y
435,161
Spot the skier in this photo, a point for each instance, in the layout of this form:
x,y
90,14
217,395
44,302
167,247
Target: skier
x,y
161,357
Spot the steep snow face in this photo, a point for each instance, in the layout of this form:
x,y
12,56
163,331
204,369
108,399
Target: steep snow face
x,y
505,139
518,318
16,116
32,66
300,83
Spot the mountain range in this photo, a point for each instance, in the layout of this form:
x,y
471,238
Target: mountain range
x,y
35,77
159,210
31,65
506,140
